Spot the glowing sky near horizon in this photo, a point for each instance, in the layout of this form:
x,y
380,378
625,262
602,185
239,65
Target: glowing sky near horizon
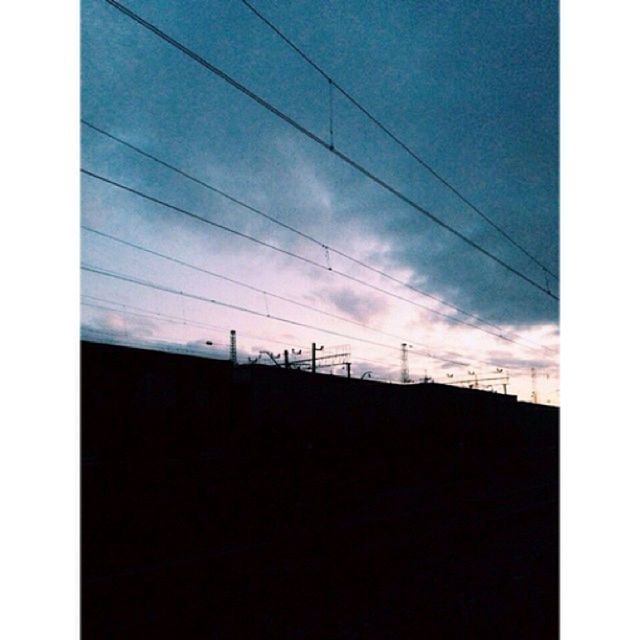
x,y
488,123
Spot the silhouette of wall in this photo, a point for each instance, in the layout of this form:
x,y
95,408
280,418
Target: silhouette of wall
x,y
257,502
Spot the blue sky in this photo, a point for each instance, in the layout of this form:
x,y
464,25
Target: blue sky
x,y
470,86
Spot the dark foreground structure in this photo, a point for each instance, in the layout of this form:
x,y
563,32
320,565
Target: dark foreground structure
x,y
257,502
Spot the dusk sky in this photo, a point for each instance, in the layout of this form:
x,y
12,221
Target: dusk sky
x,y
471,87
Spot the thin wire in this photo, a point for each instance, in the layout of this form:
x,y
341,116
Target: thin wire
x,y
159,287
312,136
126,309
235,307
147,313
292,254
155,342
331,114
386,130
214,327
302,234
239,283
386,365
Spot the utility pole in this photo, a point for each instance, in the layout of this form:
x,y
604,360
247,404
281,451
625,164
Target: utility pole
x,y
404,372
314,349
286,358
233,352
348,369
534,388
506,381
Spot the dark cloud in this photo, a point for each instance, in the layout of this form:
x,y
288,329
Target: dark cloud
x,y
472,90
447,267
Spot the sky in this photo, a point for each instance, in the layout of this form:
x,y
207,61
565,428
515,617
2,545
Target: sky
x,y
471,87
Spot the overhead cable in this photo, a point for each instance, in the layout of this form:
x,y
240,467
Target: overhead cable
x,y
132,310
388,132
245,285
235,307
290,254
164,288
312,136
304,235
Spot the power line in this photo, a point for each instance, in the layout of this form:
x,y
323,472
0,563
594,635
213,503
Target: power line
x,y
247,286
302,234
164,288
168,346
312,136
290,253
386,130
120,307
386,365
235,307
141,311
127,310
132,310
156,342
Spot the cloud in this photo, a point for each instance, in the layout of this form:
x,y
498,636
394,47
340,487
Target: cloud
x,y
501,360
500,152
359,306
115,325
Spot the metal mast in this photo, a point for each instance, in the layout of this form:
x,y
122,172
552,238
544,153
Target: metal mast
x,y
233,351
404,371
